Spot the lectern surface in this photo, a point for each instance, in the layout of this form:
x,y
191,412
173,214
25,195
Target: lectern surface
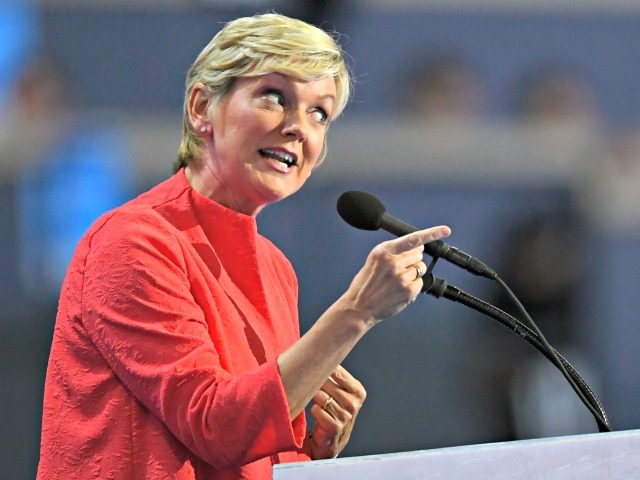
x,y
598,456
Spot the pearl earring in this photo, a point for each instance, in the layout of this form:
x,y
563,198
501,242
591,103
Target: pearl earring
x,y
203,129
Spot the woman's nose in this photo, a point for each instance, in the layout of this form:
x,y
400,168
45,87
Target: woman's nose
x,y
294,126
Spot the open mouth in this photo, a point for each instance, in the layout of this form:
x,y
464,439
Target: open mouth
x,y
286,158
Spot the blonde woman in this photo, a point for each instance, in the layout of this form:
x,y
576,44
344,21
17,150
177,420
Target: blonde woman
x,y
176,351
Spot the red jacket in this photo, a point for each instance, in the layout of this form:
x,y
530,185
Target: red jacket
x,y
163,363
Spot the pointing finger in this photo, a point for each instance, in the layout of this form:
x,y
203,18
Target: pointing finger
x,y
415,239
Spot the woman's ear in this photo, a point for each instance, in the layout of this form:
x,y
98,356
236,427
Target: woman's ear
x,y
198,107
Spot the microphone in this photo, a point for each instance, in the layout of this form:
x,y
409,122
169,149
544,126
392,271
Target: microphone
x,y
364,211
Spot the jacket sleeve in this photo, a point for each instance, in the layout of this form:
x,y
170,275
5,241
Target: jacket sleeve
x,y
138,311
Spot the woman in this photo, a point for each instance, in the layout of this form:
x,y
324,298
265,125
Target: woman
x,y
176,352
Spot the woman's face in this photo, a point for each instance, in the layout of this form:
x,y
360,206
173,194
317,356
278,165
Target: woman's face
x,y
267,135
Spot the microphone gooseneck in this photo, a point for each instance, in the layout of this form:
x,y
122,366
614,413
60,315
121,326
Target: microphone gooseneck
x,y
438,287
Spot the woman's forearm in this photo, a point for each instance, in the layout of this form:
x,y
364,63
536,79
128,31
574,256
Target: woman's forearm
x,y
306,365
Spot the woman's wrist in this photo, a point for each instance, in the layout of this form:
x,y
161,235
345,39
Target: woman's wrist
x,y
349,311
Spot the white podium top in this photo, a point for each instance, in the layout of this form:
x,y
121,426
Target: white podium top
x,y
598,456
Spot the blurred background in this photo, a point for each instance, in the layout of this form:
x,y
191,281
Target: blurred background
x,y
515,122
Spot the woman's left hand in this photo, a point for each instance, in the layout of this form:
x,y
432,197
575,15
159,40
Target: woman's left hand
x,y
335,408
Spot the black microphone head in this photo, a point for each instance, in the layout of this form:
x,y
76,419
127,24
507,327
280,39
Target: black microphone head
x,y
361,210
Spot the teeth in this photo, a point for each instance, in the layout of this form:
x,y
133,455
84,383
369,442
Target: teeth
x,y
278,155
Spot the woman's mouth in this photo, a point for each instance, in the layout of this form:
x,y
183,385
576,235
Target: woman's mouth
x,y
287,159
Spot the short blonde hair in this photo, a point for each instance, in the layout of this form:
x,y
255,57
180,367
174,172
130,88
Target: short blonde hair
x,y
259,45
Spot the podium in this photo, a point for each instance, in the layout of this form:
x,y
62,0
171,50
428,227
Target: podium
x,y
597,456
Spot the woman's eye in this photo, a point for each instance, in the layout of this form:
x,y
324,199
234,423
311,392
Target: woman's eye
x,y
274,96
320,115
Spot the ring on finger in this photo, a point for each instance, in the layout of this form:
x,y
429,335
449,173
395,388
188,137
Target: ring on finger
x,y
327,402
420,270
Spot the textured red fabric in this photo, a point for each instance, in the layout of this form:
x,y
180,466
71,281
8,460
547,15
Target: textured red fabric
x,y
163,361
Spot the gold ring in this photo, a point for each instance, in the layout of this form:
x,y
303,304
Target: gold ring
x,y
327,402
419,270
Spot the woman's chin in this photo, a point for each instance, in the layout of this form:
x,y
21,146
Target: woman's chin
x,y
275,187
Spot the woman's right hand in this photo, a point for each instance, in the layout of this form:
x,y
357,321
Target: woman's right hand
x,y
385,285
389,279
